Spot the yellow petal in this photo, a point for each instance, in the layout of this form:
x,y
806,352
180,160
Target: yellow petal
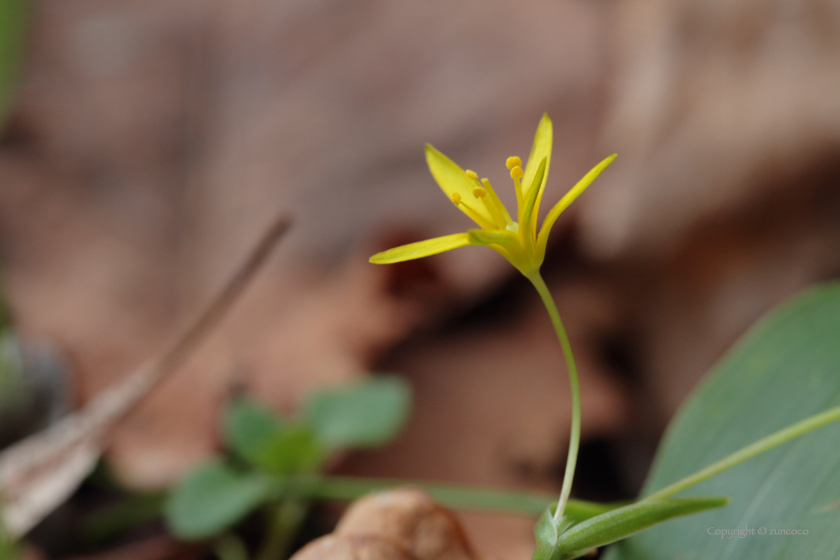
x,y
541,148
453,179
564,203
421,249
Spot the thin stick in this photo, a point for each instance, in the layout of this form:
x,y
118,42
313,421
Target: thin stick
x,y
184,345
40,472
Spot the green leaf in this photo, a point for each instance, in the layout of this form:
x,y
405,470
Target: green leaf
x,y
249,428
268,442
563,540
366,415
293,450
785,369
212,498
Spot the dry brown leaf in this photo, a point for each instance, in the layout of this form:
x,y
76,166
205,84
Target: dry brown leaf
x,y
413,520
352,547
716,105
398,524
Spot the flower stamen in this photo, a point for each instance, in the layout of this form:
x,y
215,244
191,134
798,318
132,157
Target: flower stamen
x,y
492,203
458,201
500,213
516,174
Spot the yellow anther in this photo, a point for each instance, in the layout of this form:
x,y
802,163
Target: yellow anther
x,y
516,172
479,192
456,199
472,174
513,161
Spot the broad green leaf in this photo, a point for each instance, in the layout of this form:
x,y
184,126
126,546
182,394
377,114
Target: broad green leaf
x,y
564,540
784,370
13,21
365,415
212,498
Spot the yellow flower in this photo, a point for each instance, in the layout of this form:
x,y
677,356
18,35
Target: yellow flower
x,y
517,241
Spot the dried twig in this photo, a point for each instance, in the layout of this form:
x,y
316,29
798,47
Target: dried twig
x,y
40,472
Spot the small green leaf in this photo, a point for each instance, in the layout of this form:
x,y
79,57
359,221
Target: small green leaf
x,y
366,415
563,540
270,443
292,450
249,428
212,498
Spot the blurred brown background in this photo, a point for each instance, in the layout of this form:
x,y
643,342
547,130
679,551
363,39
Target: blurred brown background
x,y
152,141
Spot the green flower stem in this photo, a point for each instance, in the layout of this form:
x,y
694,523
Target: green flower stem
x,y
110,521
230,547
757,448
8,549
284,520
574,439
345,488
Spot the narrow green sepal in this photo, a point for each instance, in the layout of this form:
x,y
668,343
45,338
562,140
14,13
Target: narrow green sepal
x,y
547,532
485,237
556,541
581,510
533,192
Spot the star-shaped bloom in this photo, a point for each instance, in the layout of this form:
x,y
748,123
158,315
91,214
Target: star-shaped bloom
x,y
518,241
